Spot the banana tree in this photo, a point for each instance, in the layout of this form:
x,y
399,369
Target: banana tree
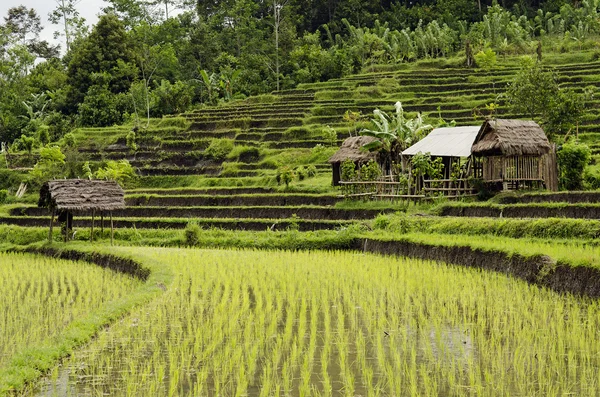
x,y
394,135
211,83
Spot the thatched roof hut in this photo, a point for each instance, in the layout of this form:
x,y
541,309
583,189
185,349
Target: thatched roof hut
x,y
503,137
514,154
351,150
65,196
82,195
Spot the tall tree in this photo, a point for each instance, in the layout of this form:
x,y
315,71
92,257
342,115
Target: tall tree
x,y
108,50
23,21
73,25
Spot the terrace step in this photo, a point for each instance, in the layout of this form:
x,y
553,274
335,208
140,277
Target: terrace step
x,y
213,171
554,197
306,213
280,200
534,210
225,224
205,191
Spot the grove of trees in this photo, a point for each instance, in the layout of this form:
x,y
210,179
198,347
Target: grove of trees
x,y
148,58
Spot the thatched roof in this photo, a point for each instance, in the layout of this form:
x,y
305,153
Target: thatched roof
x,y
82,195
511,138
351,149
446,142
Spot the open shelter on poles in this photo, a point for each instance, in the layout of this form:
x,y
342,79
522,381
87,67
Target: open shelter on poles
x,y
66,196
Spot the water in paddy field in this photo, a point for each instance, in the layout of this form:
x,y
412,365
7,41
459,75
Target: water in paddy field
x,y
447,345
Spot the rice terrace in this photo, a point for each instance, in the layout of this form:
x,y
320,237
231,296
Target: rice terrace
x,y
293,198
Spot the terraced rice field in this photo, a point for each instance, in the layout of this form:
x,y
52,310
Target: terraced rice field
x,y
301,324
290,128
42,296
574,205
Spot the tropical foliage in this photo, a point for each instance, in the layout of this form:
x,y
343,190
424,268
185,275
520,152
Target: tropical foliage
x,y
148,59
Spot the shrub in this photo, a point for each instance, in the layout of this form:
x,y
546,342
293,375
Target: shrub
x,y
170,98
591,178
572,160
101,107
9,179
3,196
120,171
285,175
301,173
50,165
69,140
26,143
330,136
486,59
43,133
370,171
311,171
192,234
348,170
219,149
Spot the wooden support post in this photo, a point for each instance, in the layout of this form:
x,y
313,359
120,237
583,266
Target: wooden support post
x,y
102,221
92,231
112,230
51,225
66,226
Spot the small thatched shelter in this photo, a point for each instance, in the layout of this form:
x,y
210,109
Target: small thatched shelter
x,y
515,153
351,149
65,196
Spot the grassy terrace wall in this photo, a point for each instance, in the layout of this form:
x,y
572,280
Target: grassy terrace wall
x,y
542,210
558,197
312,213
540,270
230,200
258,225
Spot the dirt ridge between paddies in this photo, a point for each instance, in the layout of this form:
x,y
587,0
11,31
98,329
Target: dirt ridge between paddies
x,y
530,210
538,269
27,366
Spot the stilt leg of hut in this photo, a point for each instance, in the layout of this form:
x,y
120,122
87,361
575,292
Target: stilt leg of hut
x,y
112,230
92,231
66,236
51,225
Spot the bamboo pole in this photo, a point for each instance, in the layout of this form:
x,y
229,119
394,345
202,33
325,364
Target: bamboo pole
x,y
51,225
92,231
112,230
66,226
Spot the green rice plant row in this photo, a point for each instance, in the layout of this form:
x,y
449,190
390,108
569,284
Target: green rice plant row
x,y
313,323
